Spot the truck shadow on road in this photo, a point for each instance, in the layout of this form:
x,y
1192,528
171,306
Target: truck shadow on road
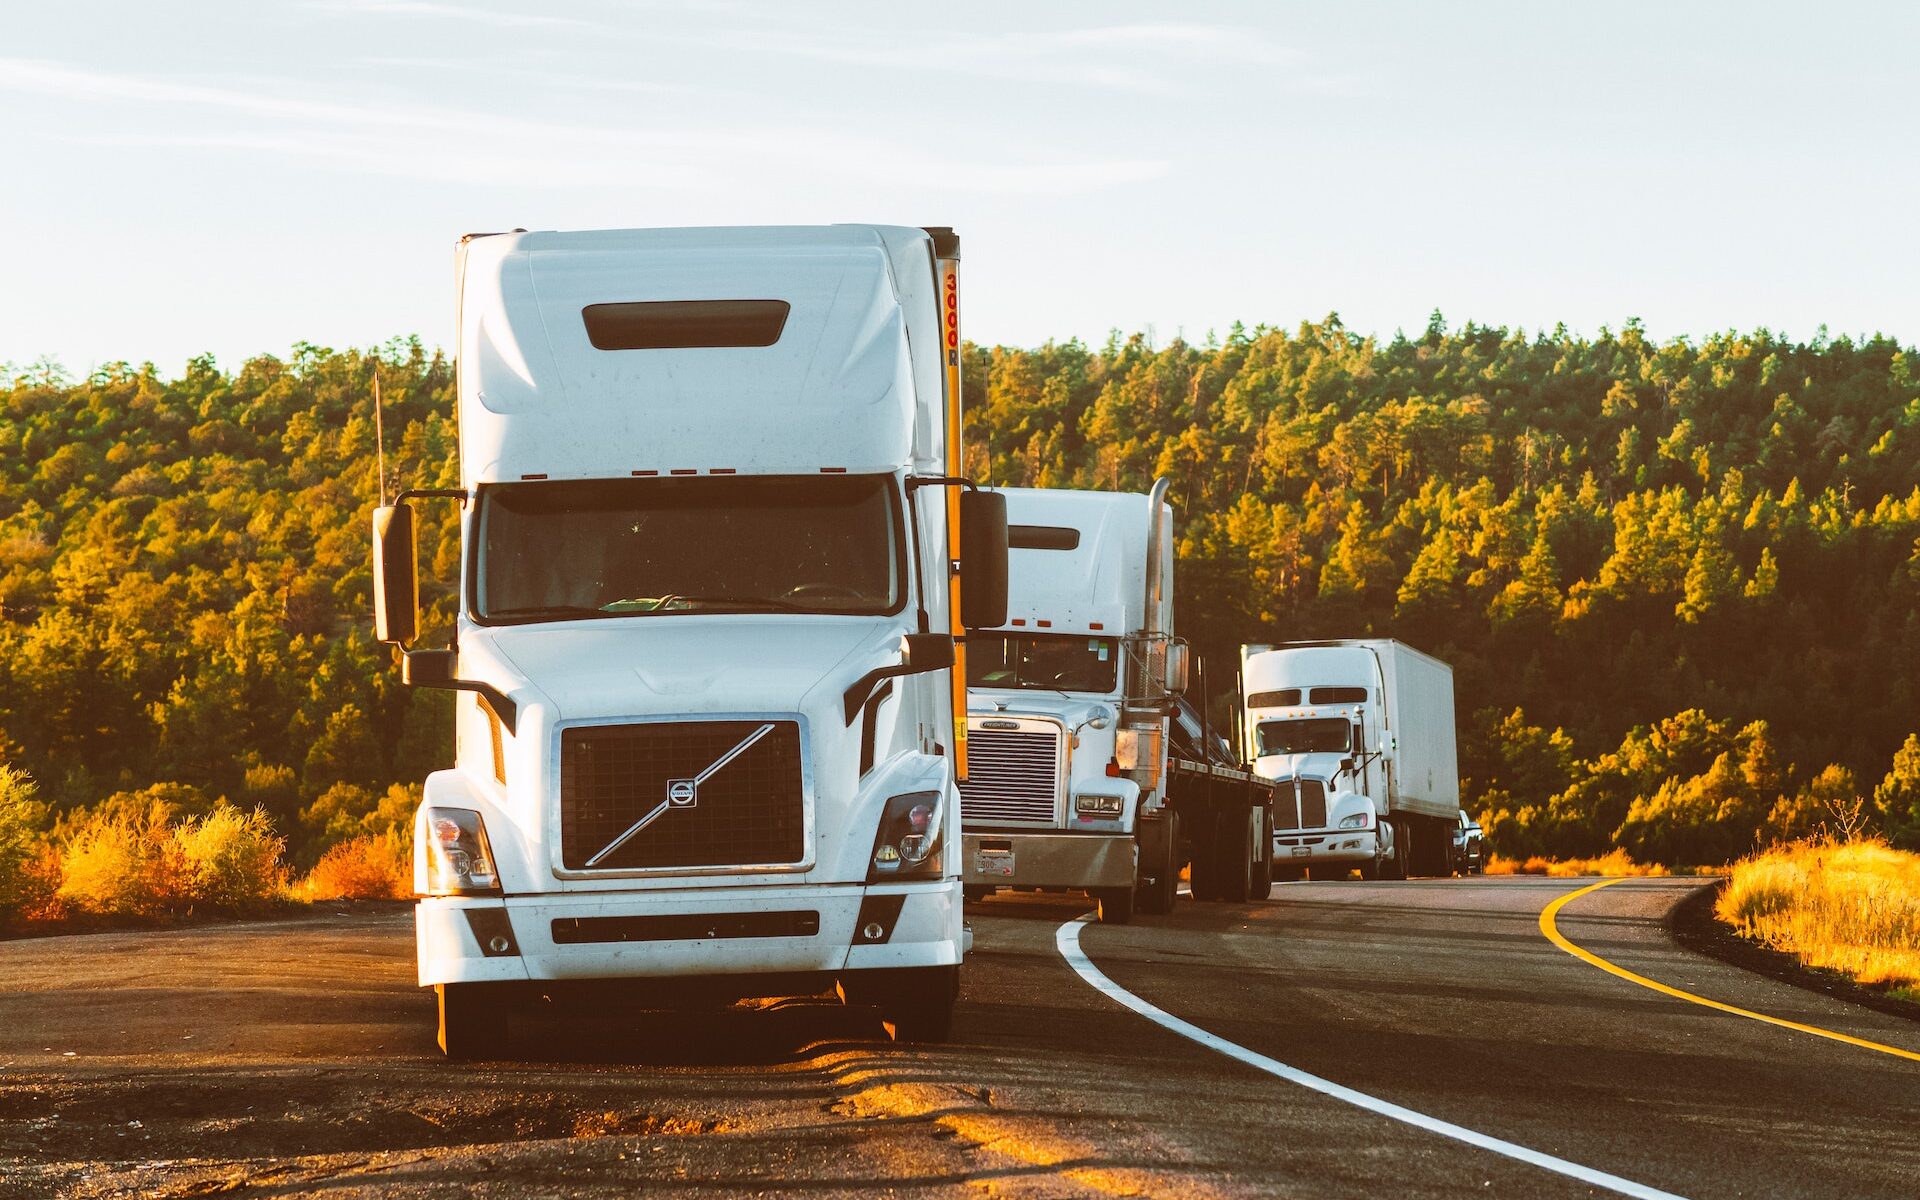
x,y
748,1034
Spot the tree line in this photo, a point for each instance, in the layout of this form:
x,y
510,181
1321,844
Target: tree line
x,y
1677,580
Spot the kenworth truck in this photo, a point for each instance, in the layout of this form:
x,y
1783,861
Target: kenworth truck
x,y
713,548
1360,737
1073,783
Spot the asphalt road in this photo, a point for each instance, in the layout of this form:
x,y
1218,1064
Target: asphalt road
x,y
296,1058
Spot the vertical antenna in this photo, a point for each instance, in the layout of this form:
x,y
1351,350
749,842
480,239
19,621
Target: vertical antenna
x,y
379,434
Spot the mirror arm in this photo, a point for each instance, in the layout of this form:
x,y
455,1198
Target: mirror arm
x,y
502,704
460,494
916,482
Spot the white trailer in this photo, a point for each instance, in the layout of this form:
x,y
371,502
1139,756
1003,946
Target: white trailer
x,y
1073,783
713,550
1362,733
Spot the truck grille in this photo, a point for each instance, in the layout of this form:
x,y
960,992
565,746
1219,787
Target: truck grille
x,y
751,811
1300,804
1011,776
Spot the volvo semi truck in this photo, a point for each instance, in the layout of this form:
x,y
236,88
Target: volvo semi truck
x,y
716,568
1360,737
1073,781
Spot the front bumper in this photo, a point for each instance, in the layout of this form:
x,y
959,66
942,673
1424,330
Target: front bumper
x,y
1306,847
1043,858
696,932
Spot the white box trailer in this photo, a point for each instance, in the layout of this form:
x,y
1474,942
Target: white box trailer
x,y
1364,729
713,557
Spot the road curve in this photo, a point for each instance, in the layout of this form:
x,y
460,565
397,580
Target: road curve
x,y
292,1058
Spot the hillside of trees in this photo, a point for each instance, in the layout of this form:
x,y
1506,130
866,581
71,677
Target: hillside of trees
x,y
1679,582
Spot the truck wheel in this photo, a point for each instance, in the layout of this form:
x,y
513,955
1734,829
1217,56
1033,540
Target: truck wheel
x,y
919,1004
473,1023
1158,897
1203,877
1395,866
1115,905
1235,848
1370,870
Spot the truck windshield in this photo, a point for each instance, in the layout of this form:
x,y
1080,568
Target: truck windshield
x,y
1047,661
572,550
1311,735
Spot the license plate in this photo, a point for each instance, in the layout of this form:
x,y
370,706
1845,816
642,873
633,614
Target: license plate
x,y
1302,851
993,862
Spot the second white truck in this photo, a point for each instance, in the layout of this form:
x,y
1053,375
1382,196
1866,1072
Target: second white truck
x,y
1360,737
1078,779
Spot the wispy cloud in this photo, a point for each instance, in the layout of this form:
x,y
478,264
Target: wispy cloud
x,y
481,147
1141,57
497,18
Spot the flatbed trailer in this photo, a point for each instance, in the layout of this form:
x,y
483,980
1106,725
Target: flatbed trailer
x,y
1224,816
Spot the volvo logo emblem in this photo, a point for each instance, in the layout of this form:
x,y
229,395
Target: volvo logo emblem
x,y
999,724
683,793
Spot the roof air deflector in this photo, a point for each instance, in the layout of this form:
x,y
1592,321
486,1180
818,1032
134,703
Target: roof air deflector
x,y
685,324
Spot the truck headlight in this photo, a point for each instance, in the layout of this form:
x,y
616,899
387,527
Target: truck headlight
x,y
1358,820
908,842
1095,805
459,861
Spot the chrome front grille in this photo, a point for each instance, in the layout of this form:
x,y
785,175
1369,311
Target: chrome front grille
x,y
1013,777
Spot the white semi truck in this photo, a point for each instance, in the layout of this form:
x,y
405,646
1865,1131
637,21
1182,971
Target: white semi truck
x,y
713,549
1075,781
1360,736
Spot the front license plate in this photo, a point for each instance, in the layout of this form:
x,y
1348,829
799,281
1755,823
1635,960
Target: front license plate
x,y
993,862
1302,851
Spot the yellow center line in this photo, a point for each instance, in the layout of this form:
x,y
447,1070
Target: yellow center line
x,y
1553,934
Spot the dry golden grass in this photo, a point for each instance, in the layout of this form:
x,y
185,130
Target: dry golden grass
x,y
1612,863
1852,907
368,867
120,864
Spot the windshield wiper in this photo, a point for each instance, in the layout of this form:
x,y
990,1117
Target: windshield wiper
x,y
545,610
650,604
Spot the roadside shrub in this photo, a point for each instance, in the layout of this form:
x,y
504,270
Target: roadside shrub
x,y
22,820
1851,906
232,858
122,862
1614,862
374,866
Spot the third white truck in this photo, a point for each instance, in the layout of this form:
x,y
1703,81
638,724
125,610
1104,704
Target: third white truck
x,y
1360,736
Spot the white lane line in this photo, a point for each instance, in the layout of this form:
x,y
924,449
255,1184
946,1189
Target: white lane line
x,y
1067,939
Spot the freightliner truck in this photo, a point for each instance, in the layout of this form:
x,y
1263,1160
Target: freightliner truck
x,y
1076,780
1360,737
711,600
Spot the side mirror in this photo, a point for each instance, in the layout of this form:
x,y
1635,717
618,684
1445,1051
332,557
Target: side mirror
x,y
1177,668
983,559
926,652
396,585
1359,738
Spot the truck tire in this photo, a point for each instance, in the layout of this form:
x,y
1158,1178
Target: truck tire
x,y
1114,905
1396,866
1157,897
473,1021
917,1005
1234,845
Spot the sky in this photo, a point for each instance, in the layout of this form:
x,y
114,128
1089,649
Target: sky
x,y
235,176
